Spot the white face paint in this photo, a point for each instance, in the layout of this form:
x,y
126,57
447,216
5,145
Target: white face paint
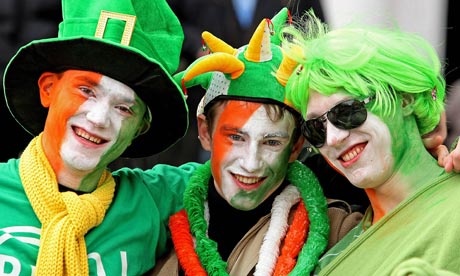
x,y
103,126
250,154
363,154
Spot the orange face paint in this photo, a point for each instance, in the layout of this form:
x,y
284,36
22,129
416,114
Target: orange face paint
x,y
377,207
234,116
64,98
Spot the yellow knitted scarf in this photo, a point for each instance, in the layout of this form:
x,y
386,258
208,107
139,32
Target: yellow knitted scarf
x,y
66,217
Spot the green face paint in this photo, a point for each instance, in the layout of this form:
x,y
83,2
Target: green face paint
x,y
253,156
363,154
101,127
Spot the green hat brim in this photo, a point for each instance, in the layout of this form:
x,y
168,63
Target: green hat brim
x,y
146,76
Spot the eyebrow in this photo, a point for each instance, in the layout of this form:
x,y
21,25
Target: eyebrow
x,y
91,81
131,100
235,129
87,79
279,134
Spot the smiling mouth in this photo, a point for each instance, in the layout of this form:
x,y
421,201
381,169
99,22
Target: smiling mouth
x,y
91,138
349,155
248,180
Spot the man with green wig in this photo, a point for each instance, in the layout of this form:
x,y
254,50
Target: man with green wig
x,y
367,96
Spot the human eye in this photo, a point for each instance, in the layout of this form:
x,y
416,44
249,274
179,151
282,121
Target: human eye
x,y
87,91
125,109
274,143
236,137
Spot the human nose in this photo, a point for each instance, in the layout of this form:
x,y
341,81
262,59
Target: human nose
x,y
335,135
99,115
250,159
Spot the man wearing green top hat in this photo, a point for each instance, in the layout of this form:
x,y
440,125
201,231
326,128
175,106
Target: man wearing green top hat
x,y
101,89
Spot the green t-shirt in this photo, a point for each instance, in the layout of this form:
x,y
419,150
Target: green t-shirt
x,y
424,227
133,234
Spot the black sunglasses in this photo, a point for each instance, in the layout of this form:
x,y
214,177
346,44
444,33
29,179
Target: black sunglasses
x,y
348,114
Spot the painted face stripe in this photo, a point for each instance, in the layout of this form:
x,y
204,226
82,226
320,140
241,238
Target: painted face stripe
x,y
66,103
236,114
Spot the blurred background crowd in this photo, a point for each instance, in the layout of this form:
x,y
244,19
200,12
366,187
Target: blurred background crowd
x,y
234,21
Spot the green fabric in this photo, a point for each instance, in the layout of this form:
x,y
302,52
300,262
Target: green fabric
x,y
158,34
279,21
146,65
257,82
424,226
133,234
419,267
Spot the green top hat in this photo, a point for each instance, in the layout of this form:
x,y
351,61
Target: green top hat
x,y
247,73
135,42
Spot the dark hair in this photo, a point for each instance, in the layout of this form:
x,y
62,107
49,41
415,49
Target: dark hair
x,y
275,112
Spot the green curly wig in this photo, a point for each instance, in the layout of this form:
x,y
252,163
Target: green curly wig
x,y
365,61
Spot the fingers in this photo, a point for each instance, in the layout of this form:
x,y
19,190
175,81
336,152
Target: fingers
x,y
451,161
441,153
448,164
455,156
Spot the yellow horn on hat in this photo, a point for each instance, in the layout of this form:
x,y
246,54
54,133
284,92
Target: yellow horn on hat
x,y
286,68
222,62
217,45
259,48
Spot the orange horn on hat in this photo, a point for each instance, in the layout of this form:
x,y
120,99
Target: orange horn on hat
x,y
222,62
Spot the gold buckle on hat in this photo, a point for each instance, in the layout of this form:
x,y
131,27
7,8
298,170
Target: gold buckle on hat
x,y
129,25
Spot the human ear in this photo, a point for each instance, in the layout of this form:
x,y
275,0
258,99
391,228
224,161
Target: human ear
x,y
45,85
297,149
204,132
407,104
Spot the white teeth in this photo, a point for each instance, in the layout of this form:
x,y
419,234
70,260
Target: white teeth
x,y
85,135
352,154
247,180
